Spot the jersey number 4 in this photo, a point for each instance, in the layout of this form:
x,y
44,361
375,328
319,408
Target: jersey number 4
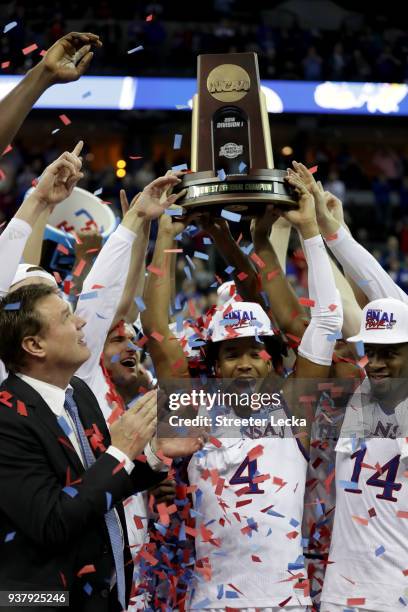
x,y
389,471
239,479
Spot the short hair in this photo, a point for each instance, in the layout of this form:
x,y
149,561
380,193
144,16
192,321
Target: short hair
x,y
274,345
19,319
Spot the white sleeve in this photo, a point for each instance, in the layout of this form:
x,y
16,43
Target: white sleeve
x,y
12,244
319,339
363,268
3,372
101,294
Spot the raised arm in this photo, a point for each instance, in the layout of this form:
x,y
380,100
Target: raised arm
x,y
103,287
56,184
283,302
356,261
64,62
165,350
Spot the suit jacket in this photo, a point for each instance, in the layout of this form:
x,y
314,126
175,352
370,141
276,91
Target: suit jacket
x,y
47,535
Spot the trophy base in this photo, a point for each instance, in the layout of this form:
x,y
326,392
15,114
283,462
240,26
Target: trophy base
x,y
246,194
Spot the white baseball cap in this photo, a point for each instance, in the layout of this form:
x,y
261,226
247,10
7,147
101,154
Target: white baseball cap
x,y
384,321
239,320
29,271
226,292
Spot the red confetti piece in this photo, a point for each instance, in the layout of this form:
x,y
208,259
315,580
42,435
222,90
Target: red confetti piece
x,y
242,276
257,260
62,249
332,307
138,522
284,602
117,468
65,120
5,64
135,157
405,572
292,535
372,512
63,580
264,355
157,336
306,302
255,452
172,250
29,49
402,514
360,520
148,557
87,569
243,502
149,18
331,237
313,169
79,268
7,149
155,270
42,52
355,601
2,175
363,362
21,408
256,559
215,442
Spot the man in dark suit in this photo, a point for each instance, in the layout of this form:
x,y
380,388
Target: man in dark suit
x,y
62,473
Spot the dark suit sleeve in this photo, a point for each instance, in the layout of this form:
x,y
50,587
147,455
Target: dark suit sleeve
x,y
34,499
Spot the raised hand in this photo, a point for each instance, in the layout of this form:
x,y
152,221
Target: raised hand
x,y
89,244
153,200
70,56
304,218
136,427
304,174
59,178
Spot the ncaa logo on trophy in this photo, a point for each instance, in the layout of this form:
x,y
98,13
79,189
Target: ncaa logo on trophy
x,y
231,152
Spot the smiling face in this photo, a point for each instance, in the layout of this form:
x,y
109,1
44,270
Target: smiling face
x,y
122,359
240,359
387,367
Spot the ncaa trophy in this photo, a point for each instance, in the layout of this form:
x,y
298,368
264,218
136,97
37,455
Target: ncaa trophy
x,y
231,152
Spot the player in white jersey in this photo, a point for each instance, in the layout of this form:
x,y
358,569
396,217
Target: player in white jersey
x,y
368,559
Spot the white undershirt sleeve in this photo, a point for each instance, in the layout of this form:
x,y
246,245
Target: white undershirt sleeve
x,y
363,268
101,294
12,244
318,341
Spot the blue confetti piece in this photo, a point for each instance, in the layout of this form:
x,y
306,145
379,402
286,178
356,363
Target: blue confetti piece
x,y
9,26
187,272
220,591
348,484
161,528
229,270
269,532
86,94
100,316
363,282
335,336
135,50
401,600
379,551
207,240
201,255
231,595
182,531
293,522
62,422
140,303
179,167
242,167
98,192
10,536
87,588
177,141
360,348
221,174
319,510
108,500
174,212
90,295
115,358
247,249
230,216
14,306
273,513
305,542
191,262
198,498
71,491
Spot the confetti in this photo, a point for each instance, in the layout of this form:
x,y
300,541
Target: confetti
x,y
9,26
356,601
179,167
71,491
10,536
86,569
55,131
90,295
135,157
149,18
29,49
242,166
98,191
140,303
177,141
14,306
313,169
230,216
65,120
86,94
256,259
360,520
402,514
306,302
135,50
5,65
379,551
200,255
221,174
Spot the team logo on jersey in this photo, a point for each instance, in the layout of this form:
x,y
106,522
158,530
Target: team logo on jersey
x,y
379,319
239,318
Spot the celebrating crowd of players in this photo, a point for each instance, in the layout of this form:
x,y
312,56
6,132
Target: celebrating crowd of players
x,y
95,502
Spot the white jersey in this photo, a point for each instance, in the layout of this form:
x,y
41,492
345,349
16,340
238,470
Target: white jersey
x,y
249,505
369,552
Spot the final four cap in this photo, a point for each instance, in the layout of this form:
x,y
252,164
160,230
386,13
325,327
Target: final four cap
x,y
384,321
29,271
239,320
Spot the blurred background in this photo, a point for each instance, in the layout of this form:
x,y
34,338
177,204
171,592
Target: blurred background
x,y
363,159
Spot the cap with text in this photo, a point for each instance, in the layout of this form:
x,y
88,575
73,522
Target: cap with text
x,y
239,320
384,321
